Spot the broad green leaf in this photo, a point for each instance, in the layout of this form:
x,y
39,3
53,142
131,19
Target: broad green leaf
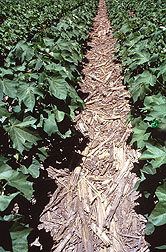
x,y
3,159
58,88
67,56
19,234
28,121
66,135
6,199
13,217
163,247
151,101
5,171
158,113
49,42
19,181
125,28
34,168
16,179
138,91
140,135
3,110
140,57
26,93
23,169
42,154
20,134
4,72
50,125
75,98
146,77
156,153
2,250
148,169
24,51
59,115
149,228
161,192
162,71
39,64
158,215
8,87
142,178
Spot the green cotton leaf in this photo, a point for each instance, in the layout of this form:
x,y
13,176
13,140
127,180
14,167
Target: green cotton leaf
x,y
162,71
138,90
150,228
158,113
39,64
140,135
59,115
58,88
50,125
8,87
158,215
139,57
161,192
5,171
156,153
6,199
19,234
3,160
53,67
142,178
13,217
4,72
67,56
23,169
17,108
49,42
148,169
151,101
2,250
16,179
3,110
42,154
26,93
162,247
34,168
146,77
125,28
75,99
19,181
28,121
66,135
24,51
19,134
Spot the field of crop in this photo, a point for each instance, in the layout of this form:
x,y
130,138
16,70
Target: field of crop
x,y
140,31
40,51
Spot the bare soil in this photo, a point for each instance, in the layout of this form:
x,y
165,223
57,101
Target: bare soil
x,y
92,208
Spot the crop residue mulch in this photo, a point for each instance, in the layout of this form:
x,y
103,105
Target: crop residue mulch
x,y
93,206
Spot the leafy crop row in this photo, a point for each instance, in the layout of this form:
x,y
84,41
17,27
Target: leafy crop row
x,y
140,30
40,51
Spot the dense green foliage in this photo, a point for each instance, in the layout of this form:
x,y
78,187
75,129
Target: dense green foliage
x,y
140,30
40,51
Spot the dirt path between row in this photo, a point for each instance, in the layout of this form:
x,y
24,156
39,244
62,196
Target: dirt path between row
x,y
93,206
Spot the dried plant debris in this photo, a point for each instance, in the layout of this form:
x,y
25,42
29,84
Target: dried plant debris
x,y
93,207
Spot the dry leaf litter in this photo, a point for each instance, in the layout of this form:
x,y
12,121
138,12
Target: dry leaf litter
x,y
93,206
